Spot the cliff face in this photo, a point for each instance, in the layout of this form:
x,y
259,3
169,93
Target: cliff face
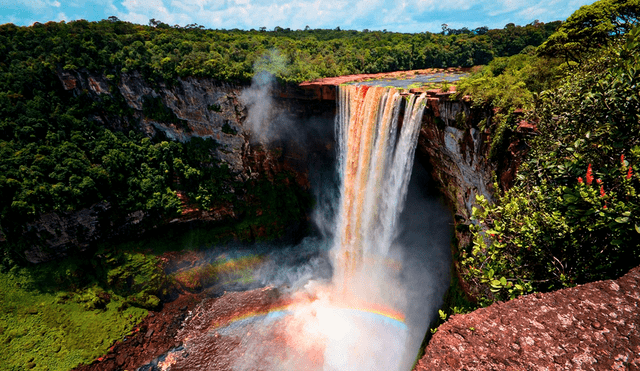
x,y
206,108
195,108
457,151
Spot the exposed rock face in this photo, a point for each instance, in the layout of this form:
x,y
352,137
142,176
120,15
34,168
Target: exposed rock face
x,y
210,109
589,327
457,151
59,231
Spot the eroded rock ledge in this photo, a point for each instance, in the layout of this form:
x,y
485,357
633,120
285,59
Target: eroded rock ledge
x,y
589,327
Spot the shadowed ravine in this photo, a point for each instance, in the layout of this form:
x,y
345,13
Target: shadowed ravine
x,y
375,277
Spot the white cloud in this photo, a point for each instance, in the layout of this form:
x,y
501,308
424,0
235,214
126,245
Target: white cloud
x,y
452,5
56,4
32,5
189,7
553,10
141,11
535,11
505,6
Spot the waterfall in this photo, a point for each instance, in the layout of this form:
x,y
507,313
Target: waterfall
x,y
373,313
375,159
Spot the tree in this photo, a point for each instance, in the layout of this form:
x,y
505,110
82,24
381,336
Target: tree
x,y
591,27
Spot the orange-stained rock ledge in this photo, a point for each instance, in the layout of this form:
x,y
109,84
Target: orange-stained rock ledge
x,y
324,89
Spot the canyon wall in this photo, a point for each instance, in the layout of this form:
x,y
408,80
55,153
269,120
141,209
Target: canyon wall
x,y
450,143
200,108
208,109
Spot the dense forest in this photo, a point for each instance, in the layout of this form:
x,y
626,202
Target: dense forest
x,y
160,51
571,216
53,158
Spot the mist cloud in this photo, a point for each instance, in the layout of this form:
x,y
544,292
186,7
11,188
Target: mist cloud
x,y
266,122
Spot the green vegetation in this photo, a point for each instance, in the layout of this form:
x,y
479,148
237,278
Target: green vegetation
x,y
58,315
590,28
164,53
573,214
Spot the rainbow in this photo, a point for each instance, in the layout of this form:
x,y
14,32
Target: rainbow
x,y
375,311
251,315
380,311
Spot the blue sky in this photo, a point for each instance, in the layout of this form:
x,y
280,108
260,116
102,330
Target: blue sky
x,y
393,15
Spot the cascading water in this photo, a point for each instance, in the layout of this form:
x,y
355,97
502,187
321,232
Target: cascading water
x,y
375,164
373,314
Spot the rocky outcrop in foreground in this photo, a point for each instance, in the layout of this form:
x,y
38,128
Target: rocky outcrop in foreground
x,y
589,327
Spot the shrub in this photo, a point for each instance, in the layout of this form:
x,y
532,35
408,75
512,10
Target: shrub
x,y
573,215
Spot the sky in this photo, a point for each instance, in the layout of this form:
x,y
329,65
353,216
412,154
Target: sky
x,y
411,16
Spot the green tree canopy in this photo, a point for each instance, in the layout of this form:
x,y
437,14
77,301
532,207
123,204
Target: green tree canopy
x,y
592,27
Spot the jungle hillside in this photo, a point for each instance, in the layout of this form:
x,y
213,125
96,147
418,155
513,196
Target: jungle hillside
x,y
571,216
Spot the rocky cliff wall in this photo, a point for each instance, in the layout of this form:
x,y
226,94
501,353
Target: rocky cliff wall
x,y
456,150
207,109
197,107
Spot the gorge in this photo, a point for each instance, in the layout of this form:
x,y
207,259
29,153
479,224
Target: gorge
x,y
183,198
369,314
401,281
449,141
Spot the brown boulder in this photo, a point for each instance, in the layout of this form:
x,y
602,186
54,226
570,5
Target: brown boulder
x,y
589,327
